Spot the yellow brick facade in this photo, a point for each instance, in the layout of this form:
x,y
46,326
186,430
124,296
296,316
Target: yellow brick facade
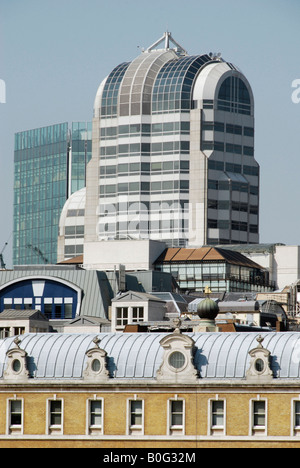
x,y
150,391
115,418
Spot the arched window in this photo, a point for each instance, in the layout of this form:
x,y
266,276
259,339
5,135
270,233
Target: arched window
x,y
55,298
234,96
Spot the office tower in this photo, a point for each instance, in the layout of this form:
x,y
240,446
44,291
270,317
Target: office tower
x,y
49,165
173,152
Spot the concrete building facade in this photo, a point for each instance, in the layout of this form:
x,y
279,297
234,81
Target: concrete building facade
x,y
173,152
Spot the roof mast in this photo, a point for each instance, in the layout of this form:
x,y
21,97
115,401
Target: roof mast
x,y
167,38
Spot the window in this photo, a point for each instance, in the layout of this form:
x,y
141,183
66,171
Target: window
x,y
234,96
137,314
122,316
177,360
259,417
95,416
296,416
4,332
217,417
55,417
15,416
19,331
176,417
136,416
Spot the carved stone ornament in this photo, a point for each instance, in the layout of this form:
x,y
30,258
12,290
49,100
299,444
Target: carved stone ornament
x,y
260,370
96,370
177,365
16,369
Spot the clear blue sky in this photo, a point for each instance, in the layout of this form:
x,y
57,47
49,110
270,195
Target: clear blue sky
x,y
54,54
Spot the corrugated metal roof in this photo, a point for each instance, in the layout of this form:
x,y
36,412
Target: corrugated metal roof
x,y
139,355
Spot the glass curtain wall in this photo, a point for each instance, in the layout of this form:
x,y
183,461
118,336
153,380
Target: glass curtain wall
x,y
45,176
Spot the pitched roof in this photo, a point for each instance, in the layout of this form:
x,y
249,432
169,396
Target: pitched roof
x,y
74,260
16,314
133,295
206,254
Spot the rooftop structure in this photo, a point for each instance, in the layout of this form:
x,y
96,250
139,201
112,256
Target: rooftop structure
x,y
220,269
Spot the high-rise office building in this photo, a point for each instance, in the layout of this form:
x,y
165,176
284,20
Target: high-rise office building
x,y
173,152
49,166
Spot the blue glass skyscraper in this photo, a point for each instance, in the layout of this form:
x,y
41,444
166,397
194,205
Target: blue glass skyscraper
x,y
49,165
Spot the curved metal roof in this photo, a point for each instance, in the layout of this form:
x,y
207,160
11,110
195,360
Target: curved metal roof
x,y
139,355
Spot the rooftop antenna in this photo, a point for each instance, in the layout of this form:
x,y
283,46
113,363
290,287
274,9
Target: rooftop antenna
x,y
167,38
2,264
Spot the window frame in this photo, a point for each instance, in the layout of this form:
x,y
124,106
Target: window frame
x,y
135,429
295,430
94,428
14,428
216,429
54,428
123,319
176,429
258,430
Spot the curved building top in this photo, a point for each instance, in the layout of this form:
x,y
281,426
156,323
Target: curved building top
x,y
160,80
141,355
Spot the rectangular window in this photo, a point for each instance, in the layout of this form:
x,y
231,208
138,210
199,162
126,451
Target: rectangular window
x,y
4,332
121,316
95,417
296,416
248,151
176,417
259,414
55,417
15,416
249,131
217,417
234,129
136,416
259,417
137,314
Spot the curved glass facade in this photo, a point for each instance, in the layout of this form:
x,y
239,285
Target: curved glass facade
x,y
173,85
234,96
109,105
